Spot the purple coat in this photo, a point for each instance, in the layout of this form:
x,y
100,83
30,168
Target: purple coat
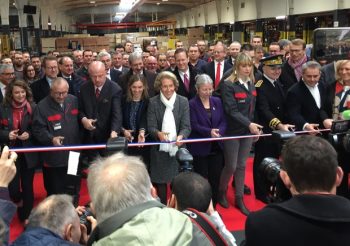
x,y
201,124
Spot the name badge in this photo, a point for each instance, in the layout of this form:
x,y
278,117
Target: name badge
x,y
241,101
57,126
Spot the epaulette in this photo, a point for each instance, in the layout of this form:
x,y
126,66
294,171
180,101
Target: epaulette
x,y
259,83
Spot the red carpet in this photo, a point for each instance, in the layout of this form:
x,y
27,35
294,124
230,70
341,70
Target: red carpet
x,y
233,219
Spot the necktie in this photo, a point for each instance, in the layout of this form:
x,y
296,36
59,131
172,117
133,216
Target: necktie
x,y
97,93
217,76
186,82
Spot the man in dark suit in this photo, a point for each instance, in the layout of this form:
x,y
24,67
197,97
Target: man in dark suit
x,y
291,71
7,74
117,62
41,87
100,107
185,74
307,102
328,74
193,55
219,66
271,114
314,215
66,67
235,48
112,74
137,67
83,70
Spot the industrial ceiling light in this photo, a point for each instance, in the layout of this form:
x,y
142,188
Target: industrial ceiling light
x,y
92,2
281,17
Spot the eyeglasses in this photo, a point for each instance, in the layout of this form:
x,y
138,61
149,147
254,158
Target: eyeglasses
x,y
60,93
9,74
52,68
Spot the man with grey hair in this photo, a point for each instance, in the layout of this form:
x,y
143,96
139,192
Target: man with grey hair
x,y
55,123
307,104
129,210
53,222
7,74
106,59
137,67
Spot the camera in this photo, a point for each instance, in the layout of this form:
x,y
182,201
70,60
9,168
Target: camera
x,y
185,159
84,220
339,136
270,168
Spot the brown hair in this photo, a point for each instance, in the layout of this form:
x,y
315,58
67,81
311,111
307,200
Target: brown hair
x,y
134,78
20,83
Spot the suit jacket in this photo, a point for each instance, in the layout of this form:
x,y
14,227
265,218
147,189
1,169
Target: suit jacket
x,y
74,83
124,69
115,74
328,74
150,78
302,108
106,109
210,69
312,220
270,103
182,89
155,114
40,89
202,125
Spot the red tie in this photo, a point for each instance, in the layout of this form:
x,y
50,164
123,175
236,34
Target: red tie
x,y
217,76
97,93
186,82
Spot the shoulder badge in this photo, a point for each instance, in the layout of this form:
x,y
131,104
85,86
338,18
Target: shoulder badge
x,y
259,83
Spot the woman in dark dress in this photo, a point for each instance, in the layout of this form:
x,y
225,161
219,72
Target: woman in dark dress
x,y
15,131
134,107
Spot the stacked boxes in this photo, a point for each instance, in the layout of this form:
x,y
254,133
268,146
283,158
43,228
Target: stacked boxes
x,y
195,34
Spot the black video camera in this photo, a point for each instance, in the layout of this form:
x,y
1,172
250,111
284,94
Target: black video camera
x,y
270,168
185,159
339,136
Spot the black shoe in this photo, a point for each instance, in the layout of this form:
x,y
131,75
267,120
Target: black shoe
x,y
247,190
222,200
263,199
241,206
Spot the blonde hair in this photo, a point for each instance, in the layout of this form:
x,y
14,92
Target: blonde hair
x,y
242,59
338,65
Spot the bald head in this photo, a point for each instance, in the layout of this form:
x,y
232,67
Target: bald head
x,y
97,72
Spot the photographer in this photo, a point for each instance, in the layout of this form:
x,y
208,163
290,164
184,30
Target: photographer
x,y
128,212
53,222
315,215
191,190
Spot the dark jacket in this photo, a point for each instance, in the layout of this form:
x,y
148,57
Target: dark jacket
x,y
40,237
141,116
106,109
321,220
239,106
7,211
270,103
210,69
115,75
40,89
302,108
74,83
6,117
202,125
182,89
51,120
150,78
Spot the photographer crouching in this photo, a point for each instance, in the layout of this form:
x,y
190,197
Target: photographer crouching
x,y
315,215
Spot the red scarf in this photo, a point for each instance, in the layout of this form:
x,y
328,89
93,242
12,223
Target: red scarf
x,y
297,66
18,112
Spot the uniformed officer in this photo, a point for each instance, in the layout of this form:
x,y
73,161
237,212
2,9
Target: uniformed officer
x,y
270,111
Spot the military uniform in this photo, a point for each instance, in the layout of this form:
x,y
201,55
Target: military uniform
x,y
270,111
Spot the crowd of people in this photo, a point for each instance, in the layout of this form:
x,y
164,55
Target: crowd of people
x,y
188,92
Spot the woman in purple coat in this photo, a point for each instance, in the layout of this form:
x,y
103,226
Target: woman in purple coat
x,y
207,121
